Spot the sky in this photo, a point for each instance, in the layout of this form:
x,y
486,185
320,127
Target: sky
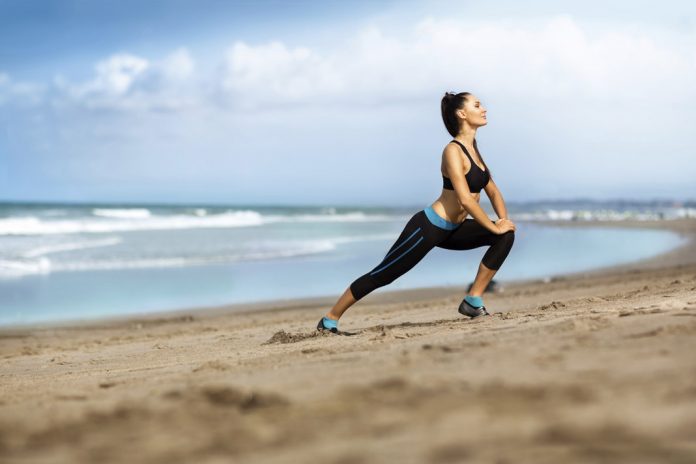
x,y
338,103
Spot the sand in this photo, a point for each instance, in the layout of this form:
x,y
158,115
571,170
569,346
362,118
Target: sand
x,y
591,367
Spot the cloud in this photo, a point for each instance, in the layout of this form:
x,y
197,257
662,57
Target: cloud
x,y
114,78
128,82
554,58
268,72
178,66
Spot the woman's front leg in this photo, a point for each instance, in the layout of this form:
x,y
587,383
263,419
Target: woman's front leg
x,y
472,235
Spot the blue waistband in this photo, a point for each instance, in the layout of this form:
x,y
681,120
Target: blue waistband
x,y
436,220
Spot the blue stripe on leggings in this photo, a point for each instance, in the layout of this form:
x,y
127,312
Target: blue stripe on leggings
x,y
402,243
395,260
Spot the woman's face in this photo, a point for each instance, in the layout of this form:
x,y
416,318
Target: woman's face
x,y
473,112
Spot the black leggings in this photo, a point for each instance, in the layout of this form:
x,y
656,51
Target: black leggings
x,y
424,231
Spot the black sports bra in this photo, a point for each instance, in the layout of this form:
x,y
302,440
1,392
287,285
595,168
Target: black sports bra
x,y
477,178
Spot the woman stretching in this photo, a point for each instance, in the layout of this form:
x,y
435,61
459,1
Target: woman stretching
x,y
443,223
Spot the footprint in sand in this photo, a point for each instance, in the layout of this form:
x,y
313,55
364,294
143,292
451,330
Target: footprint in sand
x,y
552,305
507,315
283,337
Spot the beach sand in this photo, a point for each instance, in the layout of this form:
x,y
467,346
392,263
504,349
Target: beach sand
x,y
591,367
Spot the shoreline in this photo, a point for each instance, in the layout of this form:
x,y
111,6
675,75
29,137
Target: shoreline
x,y
682,255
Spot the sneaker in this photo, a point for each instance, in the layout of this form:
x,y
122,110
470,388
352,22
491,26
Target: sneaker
x,y
472,311
321,327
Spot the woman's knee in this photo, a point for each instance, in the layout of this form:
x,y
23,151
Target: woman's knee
x,y
507,239
367,283
361,287
496,254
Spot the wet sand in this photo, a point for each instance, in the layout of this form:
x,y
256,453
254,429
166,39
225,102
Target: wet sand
x,y
590,367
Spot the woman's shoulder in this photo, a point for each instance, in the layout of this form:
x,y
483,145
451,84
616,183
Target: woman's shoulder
x,y
452,149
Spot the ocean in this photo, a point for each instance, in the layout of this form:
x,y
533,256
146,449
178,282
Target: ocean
x,y
67,262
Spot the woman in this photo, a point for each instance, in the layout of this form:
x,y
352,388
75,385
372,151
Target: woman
x,y
443,223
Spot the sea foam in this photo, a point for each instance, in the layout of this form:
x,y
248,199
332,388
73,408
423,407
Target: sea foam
x,y
138,220
35,260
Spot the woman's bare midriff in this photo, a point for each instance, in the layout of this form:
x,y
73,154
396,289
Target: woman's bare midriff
x,y
449,208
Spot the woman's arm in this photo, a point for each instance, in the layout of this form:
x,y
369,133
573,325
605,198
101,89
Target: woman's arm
x,y
496,199
455,169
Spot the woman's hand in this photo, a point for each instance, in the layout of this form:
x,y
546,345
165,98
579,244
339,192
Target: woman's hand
x,y
504,225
